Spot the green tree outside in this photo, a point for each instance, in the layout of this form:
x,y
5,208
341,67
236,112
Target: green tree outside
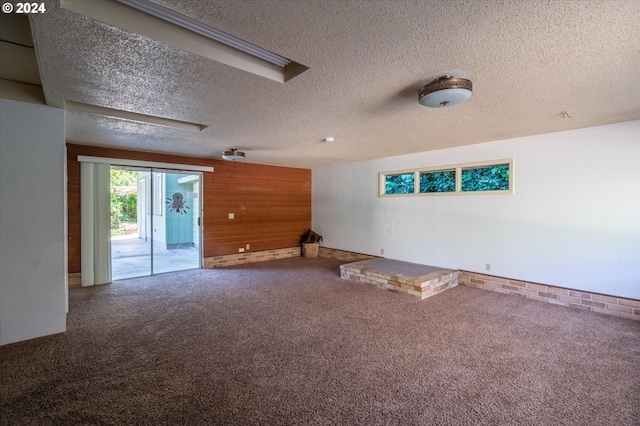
x,y
124,207
439,181
399,184
492,178
495,177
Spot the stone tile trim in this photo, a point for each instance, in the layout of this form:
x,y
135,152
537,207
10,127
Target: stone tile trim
x,y
609,305
250,257
347,256
420,287
74,279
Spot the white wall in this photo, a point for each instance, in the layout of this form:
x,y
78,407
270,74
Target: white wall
x,y
32,221
573,221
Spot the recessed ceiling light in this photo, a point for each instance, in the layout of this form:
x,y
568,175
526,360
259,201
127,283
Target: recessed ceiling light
x,y
174,29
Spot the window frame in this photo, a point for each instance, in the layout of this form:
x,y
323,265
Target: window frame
x,y
158,194
458,179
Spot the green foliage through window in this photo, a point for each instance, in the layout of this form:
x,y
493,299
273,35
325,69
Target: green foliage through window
x,y
124,198
486,176
399,184
121,177
438,181
489,178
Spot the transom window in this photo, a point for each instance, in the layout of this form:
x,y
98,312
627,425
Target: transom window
x,y
399,184
495,177
438,181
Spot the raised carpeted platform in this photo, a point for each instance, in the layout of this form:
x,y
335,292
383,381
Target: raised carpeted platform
x,y
413,279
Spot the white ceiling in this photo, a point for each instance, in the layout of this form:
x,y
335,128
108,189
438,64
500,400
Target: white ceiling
x,y
529,60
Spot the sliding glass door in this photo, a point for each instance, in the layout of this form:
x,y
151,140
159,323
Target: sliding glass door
x,y
155,222
176,216
130,223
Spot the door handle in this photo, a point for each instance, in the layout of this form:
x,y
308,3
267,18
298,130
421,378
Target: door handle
x,y
198,221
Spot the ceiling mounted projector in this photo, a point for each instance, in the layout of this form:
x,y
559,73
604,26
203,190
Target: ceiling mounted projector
x,y
445,91
233,155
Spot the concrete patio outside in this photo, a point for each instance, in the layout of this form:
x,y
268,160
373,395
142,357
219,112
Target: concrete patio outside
x,y
131,257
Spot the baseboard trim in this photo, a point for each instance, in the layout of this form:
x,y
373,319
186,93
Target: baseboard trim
x,y
616,306
348,256
250,257
74,279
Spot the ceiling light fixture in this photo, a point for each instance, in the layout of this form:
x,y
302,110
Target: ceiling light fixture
x,y
233,155
174,29
329,139
445,91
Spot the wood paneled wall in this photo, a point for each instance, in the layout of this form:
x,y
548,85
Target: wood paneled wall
x,y
271,204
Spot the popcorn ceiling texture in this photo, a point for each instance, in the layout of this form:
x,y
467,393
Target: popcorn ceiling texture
x,y
529,60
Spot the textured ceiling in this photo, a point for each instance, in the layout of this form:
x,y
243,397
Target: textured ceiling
x,y
529,60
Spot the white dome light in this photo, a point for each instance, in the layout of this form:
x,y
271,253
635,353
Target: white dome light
x,y
445,91
233,155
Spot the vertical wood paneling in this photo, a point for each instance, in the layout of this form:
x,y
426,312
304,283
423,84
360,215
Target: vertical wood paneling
x,y
271,204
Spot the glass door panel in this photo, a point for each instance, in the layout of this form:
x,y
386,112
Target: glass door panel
x,y
130,223
176,230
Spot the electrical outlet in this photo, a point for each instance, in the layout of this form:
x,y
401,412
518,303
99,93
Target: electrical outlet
x,y
248,246
231,216
241,250
488,267
381,251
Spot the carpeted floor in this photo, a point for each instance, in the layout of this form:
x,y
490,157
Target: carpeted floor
x,y
288,342
398,267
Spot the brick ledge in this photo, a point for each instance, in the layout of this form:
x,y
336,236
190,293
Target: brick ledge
x,y
421,287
